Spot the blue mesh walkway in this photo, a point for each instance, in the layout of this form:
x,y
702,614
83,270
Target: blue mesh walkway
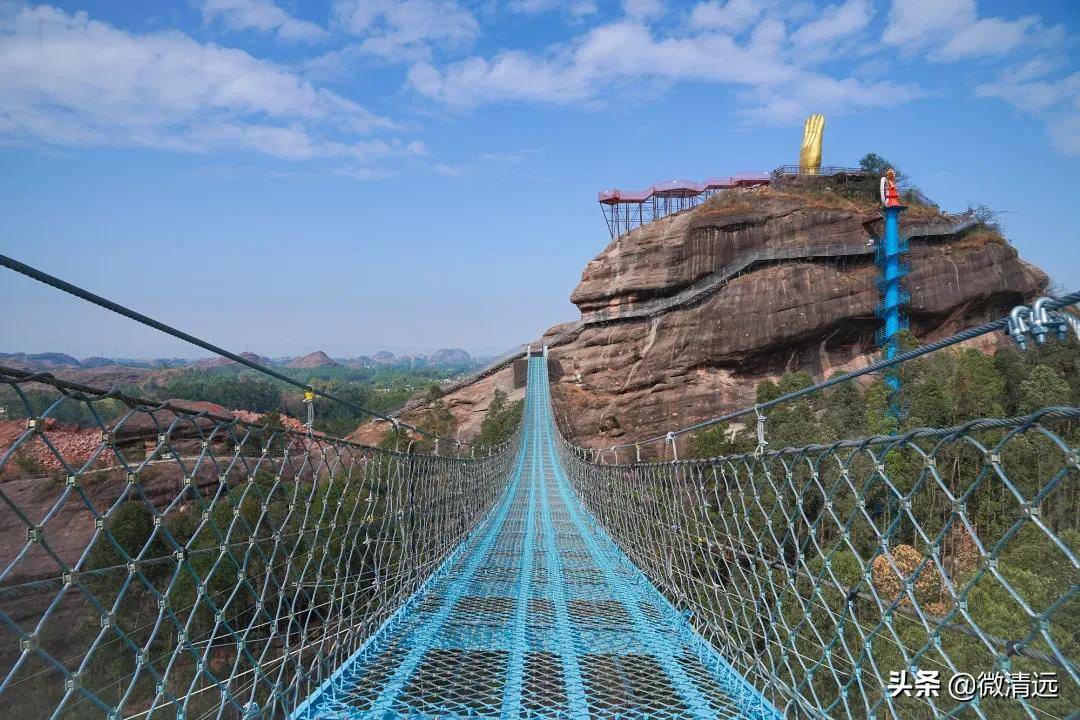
x,y
537,615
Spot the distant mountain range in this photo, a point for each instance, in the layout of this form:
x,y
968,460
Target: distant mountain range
x,y
445,358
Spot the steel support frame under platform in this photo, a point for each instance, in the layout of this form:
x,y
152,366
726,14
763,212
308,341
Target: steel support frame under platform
x,y
537,615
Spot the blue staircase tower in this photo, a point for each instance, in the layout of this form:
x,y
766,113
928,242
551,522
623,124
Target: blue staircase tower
x,y
892,267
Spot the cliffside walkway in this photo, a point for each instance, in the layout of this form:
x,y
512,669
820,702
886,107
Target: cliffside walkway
x,y
538,615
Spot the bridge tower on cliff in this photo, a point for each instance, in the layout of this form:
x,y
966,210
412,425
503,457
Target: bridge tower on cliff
x,y
889,259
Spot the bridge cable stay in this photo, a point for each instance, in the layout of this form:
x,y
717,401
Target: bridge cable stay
x,y
138,317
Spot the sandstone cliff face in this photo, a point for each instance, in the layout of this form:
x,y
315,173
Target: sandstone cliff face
x,y
665,256
749,285
813,310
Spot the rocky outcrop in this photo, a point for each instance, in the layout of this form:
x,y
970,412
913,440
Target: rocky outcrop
x,y
468,405
448,357
313,360
37,361
210,363
812,310
681,318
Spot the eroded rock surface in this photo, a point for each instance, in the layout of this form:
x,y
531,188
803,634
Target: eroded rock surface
x,y
626,381
812,309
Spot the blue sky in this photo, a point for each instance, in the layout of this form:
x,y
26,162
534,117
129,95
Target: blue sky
x,y
349,175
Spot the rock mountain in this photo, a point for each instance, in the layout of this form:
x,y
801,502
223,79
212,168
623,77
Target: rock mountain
x,y
313,360
681,318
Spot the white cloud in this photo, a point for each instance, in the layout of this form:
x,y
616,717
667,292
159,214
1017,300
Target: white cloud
x,y
574,8
507,157
69,80
733,15
768,70
1055,101
362,173
508,76
261,15
406,30
833,23
607,54
950,30
815,92
768,52
918,22
643,9
989,36
1065,133
447,170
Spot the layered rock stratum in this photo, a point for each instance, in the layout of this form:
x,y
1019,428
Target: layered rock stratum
x,y
681,318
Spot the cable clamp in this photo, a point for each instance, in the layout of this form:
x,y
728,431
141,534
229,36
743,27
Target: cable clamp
x,y
309,400
674,448
1018,325
1045,322
762,443
1039,323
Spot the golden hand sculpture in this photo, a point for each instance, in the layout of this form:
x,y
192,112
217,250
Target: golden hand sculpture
x,y
810,153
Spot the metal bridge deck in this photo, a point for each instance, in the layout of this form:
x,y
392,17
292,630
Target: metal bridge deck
x,y
537,615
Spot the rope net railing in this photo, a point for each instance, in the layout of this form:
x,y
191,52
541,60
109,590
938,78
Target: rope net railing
x,y
162,561
819,571
929,573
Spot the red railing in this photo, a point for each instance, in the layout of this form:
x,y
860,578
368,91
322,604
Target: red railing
x,y
627,209
682,188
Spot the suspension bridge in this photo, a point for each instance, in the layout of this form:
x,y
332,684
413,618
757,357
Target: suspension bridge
x,y
192,565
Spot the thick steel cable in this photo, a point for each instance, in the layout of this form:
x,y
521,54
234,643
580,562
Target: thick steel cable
x,y
969,334
64,286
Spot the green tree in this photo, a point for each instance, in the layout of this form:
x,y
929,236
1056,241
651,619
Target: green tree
x,y
876,165
1042,388
128,529
223,388
791,423
720,440
434,391
500,422
844,413
977,387
1013,369
437,420
396,438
